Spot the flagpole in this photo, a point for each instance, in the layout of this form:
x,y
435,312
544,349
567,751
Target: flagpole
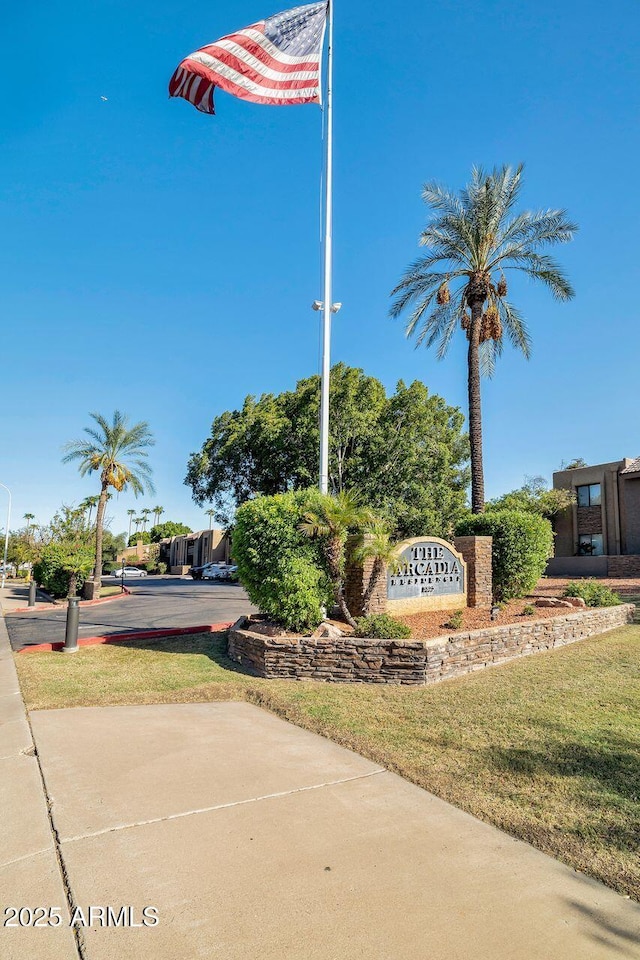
x,y
328,264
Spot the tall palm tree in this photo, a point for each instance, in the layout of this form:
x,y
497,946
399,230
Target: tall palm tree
x,y
118,453
334,519
89,504
157,513
146,513
472,238
29,517
211,514
130,514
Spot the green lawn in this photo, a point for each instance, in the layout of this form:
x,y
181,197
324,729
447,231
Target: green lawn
x,y
547,747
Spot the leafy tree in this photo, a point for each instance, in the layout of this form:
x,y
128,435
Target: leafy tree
x,y
406,454
574,464
144,536
118,453
169,528
472,238
113,545
331,521
66,552
534,497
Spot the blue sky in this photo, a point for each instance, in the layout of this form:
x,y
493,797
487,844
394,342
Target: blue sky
x,y
163,262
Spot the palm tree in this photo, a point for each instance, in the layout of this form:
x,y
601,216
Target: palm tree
x,y
472,238
88,504
118,453
336,517
157,513
377,545
29,517
130,514
146,513
211,514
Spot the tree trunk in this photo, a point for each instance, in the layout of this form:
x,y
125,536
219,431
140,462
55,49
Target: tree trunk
x,y
475,410
73,580
333,553
97,570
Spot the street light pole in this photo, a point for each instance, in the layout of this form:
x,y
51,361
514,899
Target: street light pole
x,y
6,536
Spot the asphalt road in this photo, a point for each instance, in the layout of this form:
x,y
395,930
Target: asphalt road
x,y
155,603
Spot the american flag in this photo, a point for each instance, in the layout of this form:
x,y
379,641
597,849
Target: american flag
x,y
275,61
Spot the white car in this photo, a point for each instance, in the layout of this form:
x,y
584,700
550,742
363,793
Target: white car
x,y
129,572
218,571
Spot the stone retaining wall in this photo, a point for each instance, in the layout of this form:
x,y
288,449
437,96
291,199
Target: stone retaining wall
x,y
352,660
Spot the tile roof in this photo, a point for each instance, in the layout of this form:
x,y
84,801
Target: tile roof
x,y
633,467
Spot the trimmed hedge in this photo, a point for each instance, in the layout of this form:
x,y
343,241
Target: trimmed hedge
x,y
522,544
281,569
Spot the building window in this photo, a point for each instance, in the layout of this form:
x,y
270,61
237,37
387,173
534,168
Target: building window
x,y
590,545
589,495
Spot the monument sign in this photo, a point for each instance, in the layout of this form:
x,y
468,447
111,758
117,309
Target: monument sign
x,y
430,575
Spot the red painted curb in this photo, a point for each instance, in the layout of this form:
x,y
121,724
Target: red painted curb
x,y
60,606
133,635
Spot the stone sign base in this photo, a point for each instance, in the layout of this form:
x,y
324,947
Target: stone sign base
x,y
449,601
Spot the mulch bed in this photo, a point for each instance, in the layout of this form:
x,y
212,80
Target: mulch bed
x,y
425,626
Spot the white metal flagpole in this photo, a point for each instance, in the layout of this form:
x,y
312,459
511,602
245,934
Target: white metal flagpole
x,y
327,304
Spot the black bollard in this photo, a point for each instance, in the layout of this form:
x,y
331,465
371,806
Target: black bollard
x,y
32,593
71,631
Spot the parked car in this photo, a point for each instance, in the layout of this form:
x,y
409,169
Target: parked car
x,y
129,572
213,571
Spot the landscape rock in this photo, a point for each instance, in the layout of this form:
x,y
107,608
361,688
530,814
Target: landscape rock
x,y
554,602
327,631
575,601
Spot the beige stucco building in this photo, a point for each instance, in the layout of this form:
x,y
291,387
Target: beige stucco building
x,y
600,534
195,549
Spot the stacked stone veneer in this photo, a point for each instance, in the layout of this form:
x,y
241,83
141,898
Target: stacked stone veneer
x,y
477,554
351,660
623,566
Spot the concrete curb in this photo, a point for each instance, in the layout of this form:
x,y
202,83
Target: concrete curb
x,y
131,635
45,608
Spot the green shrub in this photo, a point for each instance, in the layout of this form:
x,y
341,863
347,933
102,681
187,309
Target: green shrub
x,y
109,566
455,620
281,569
162,567
57,563
381,626
528,611
522,544
594,594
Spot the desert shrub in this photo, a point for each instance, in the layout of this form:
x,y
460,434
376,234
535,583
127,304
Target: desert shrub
x,y
594,594
281,569
381,626
161,567
528,611
522,544
455,620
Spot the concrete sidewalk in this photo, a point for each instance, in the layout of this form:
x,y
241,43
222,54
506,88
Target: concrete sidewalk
x,y
255,839
15,596
30,872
